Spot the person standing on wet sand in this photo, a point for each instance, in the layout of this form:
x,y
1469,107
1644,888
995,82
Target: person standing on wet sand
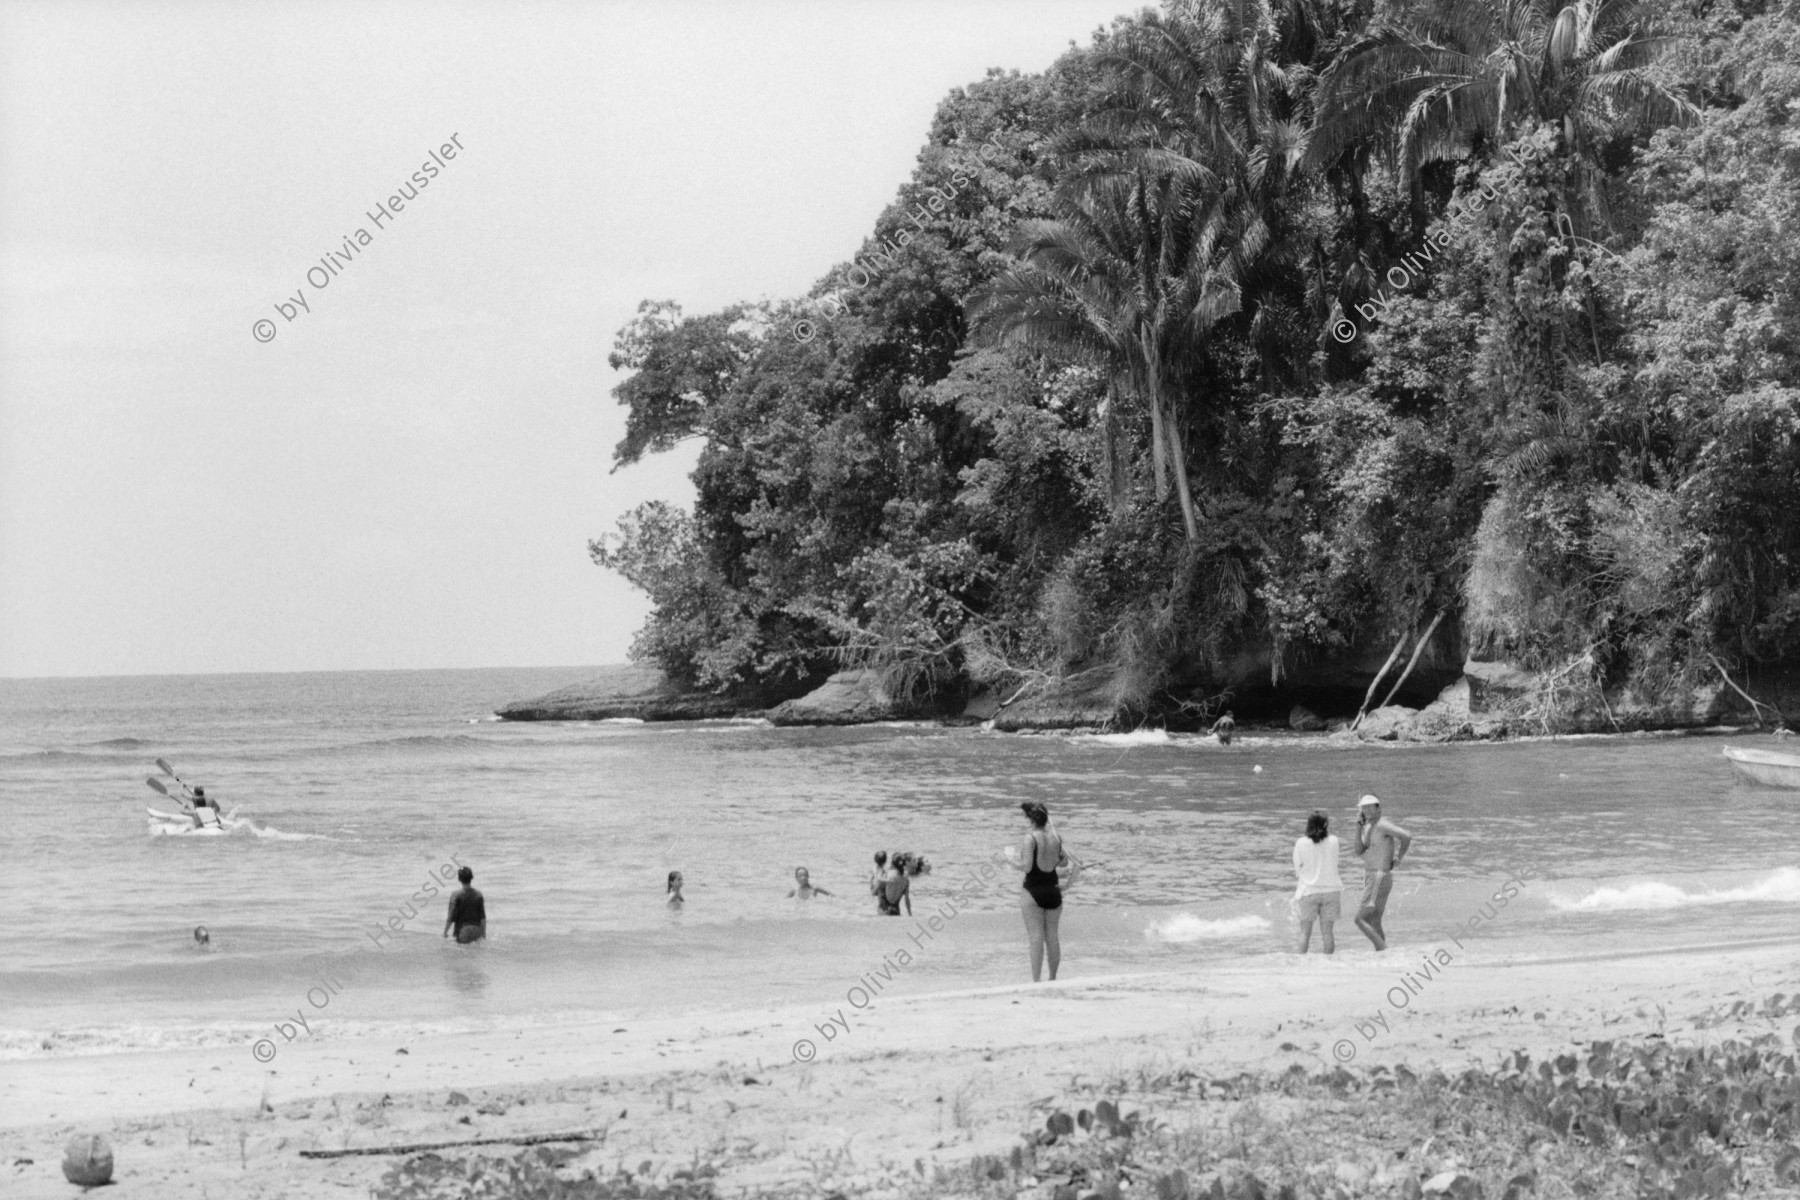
x,y
1382,844
468,911
1041,900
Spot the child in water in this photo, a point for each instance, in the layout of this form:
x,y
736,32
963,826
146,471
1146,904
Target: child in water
x,y
675,900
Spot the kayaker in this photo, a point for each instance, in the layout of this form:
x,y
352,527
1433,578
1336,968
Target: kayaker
x,y
201,805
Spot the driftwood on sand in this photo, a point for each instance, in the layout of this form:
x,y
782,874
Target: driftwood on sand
x,y
414,1147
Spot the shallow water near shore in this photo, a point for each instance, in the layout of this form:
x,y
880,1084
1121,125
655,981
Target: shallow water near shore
x,y
361,786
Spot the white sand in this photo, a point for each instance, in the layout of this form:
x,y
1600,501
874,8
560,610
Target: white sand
x,y
931,1079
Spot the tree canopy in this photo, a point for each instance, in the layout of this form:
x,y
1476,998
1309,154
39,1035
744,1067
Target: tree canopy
x,y
1259,333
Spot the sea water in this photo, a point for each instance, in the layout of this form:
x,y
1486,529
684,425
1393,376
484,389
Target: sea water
x,y
360,791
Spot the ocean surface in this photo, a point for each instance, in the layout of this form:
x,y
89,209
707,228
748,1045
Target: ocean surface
x,y
357,787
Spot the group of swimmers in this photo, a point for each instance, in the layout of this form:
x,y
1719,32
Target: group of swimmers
x,y
1380,843
890,883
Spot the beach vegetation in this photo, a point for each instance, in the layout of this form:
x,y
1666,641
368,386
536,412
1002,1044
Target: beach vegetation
x,y
1609,1119
1644,1118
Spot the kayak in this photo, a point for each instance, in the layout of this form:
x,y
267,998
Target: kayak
x,y
180,823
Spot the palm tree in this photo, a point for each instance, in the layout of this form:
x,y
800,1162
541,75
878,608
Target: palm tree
x,y
1428,85
1216,97
1127,278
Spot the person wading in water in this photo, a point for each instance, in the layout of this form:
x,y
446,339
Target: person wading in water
x,y
1041,900
468,911
1382,844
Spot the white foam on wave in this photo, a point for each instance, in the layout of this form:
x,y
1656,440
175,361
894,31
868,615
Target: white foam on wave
x,y
1781,886
1186,927
281,835
1137,737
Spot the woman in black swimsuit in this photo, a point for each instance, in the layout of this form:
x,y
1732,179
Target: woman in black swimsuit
x,y
1041,902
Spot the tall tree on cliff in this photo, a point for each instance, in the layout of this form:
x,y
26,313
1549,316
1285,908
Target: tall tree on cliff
x,y
1439,76
1125,279
1222,92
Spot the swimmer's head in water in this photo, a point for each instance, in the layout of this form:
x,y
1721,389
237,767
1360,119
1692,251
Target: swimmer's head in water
x,y
1317,826
464,876
800,874
201,936
674,880
881,858
1037,813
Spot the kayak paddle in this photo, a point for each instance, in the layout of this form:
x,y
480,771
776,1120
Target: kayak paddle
x,y
187,791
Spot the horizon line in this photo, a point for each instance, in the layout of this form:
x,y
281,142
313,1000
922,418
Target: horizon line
x,y
316,671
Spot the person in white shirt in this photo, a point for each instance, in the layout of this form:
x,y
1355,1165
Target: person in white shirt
x,y
1318,895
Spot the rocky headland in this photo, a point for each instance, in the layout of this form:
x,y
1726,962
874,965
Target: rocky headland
x,y
1482,701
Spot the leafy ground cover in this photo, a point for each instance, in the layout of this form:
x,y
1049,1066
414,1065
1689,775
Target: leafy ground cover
x,y
1644,1119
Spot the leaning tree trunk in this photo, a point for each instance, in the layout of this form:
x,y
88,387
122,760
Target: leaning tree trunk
x,y
1166,428
1159,448
1190,519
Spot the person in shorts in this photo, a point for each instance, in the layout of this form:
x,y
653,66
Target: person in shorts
x,y
1319,894
468,911
1381,844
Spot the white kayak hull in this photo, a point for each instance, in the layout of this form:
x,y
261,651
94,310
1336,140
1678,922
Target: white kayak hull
x,y
1766,768
165,824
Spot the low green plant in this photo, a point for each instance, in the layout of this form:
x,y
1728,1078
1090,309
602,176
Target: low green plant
x,y
535,1174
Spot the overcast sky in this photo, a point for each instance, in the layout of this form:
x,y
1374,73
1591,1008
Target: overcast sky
x,y
407,474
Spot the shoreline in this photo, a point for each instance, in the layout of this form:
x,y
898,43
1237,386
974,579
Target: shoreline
x,y
1481,702
1259,735
937,1077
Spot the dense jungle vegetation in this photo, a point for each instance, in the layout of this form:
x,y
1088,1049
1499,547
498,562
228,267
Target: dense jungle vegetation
x,y
1255,334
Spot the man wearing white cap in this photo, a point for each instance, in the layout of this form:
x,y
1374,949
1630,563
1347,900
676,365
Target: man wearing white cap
x,y
1382,844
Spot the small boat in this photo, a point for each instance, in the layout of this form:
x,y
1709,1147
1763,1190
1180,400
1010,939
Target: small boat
x,y
1766,767
164,824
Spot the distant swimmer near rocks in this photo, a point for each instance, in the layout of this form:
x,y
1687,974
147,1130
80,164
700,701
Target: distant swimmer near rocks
x,y
1223,727
468,911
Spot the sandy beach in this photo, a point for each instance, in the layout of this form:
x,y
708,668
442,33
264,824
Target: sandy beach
x,y
911,1085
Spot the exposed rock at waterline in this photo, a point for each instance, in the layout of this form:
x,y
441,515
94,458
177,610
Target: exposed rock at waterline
x,y
853,697
1304,720
1382,724
1086,701
625,690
